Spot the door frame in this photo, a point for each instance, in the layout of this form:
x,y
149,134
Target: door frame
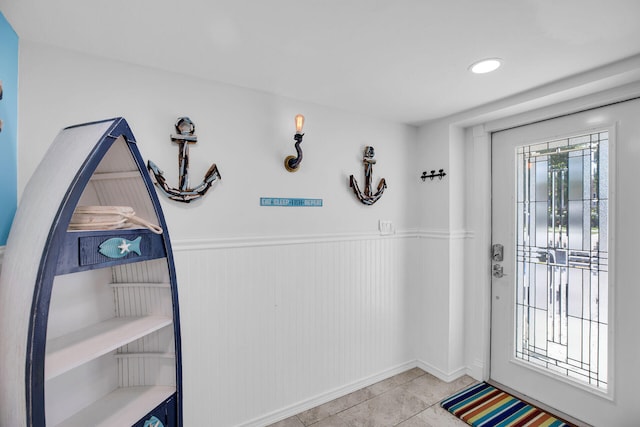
x,y
481,130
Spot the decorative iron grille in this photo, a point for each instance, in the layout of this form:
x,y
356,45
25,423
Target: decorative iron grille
x,y
562,257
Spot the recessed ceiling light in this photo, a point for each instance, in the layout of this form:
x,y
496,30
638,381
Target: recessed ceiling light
x,y
485,66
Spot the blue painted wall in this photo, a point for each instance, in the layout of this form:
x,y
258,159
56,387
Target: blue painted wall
x,y
8,136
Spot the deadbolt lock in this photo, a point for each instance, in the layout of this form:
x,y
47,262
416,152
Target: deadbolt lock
x,y
497,252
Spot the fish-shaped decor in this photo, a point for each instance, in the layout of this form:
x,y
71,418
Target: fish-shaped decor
x,y
118,247
153,422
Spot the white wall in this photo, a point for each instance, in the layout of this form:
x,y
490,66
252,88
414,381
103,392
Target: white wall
x,y
433,195
247,133
282,308
442,272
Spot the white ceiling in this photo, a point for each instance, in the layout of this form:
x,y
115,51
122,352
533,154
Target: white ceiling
x,y
402,60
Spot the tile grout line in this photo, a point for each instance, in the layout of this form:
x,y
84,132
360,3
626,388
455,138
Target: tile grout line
x,y
327,413
366,400
420,411
417,413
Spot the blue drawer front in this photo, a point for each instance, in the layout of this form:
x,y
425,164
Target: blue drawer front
x,y
89,250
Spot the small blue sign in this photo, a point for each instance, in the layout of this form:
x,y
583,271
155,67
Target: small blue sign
x,y
290,202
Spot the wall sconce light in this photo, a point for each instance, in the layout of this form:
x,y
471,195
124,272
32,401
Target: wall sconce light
x,y
441,174
292,163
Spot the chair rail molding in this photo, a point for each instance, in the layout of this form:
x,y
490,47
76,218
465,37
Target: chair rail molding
x,y
257,241
443,234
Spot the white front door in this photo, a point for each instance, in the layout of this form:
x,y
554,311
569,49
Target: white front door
x,y
565,208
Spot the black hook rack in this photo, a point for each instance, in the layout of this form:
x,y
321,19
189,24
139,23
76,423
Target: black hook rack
x,y
441,174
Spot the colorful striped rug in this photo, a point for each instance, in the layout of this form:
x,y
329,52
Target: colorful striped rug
x,y
483,405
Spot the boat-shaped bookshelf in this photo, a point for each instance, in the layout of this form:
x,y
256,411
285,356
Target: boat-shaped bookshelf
x,y
89,317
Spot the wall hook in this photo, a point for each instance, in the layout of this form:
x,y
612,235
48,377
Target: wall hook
x,y
367,198
441,174
185,135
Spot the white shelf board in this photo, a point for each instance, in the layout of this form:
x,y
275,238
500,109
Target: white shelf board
x,y
98,176
122,407
121,227
145,355
140,285
69,351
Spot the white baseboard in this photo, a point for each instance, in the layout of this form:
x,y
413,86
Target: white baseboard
x,y
476,370
440,374
320,399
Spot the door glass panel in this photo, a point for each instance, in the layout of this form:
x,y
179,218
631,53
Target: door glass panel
x,y
562,260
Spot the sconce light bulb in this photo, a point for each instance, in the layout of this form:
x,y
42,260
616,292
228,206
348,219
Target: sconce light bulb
x,y
299,123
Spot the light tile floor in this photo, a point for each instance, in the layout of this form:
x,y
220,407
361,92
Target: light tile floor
x,y
409,399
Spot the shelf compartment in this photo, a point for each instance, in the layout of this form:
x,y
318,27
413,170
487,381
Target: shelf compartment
x,y
122,407
150,368
69,351
142,299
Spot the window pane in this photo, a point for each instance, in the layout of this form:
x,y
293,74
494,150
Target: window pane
x,y
562,241
576,178
575,224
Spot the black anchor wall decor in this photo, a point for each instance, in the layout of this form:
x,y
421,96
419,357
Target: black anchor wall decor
x,y
366,197
185,129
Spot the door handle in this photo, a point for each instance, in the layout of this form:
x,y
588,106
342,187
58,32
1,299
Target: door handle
x,y
497,271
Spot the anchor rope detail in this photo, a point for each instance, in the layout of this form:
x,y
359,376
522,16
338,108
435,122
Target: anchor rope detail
x,y
367,197
185,135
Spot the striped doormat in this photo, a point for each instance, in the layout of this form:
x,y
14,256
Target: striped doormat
x,y
483,405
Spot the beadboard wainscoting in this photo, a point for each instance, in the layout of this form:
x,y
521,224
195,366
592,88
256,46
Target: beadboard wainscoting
x,y
438,321
274,326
